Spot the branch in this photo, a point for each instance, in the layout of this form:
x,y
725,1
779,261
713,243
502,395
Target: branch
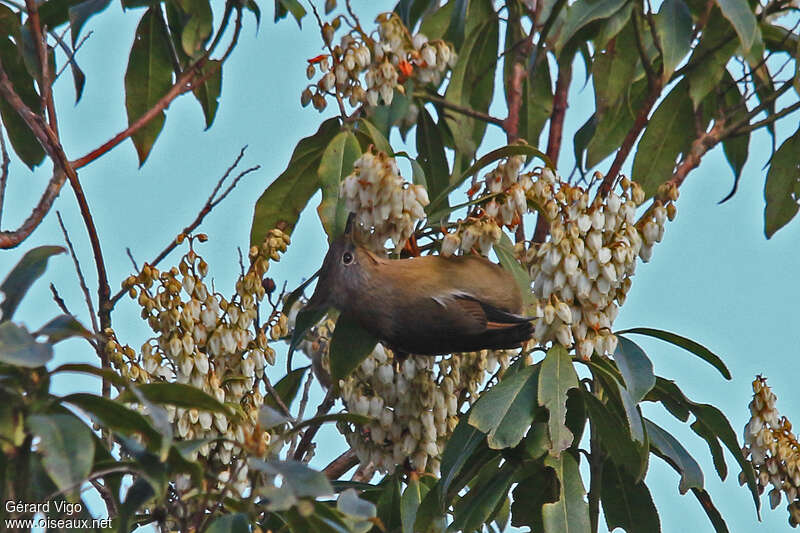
x,y
210,204
555,135
511,123
341,465
305,442
467,111
81,279
3,172
742,129
44,64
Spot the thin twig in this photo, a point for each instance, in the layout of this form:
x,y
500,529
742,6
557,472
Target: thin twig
x,y
59,301
81,279
308,435
339,466
467,111
760,124
70,59
44,64
210,204
133,261
277,397
3,172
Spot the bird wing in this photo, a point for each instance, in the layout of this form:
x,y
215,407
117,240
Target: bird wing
x,y
477,316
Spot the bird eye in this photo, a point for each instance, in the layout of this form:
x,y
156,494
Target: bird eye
x,y
347,258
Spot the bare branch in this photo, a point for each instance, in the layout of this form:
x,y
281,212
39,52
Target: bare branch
x,y
308,435
3,172
463,110
59,301
81,279
45,83
339,466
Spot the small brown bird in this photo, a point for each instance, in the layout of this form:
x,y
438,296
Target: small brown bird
x,y
423,305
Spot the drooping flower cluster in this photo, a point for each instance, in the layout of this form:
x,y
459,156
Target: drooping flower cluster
x,y
773,450
582,273
386,206
415,404
208,341
364,71
506,191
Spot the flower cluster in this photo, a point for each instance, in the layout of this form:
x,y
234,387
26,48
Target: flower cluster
x,y
506,191
415,405
386,206
207,341
773,450
364,71
582,273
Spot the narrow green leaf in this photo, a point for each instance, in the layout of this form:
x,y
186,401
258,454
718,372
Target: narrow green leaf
x,y
306,319
148,78
506,411
581,140
378,139
230,523
113,415
63,327
537,102
740,15
280,205
177,394
435,24
711,55
19,348
613,25
627,503
613,435
504,250
103,373
477,506
460,448
570,514
287,388
687,344
674,32
711,511
410,501
19,280
782,188
664,445
68,449
79,14
664,138
582,13
636,369
350,345
24,143
430,148
556,377
531,493
140,492
198,28
336,164
303,481
613,69
295,8
613,125
207,93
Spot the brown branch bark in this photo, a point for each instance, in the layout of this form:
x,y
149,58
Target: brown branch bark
x,y
3,173
467,111
555,135
339,466
308,435
81,279
511,123
45,85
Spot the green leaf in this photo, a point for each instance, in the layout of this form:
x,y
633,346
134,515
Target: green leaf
x,y
19,348
612,126
282,202
711,511
350,345
68,449
636,369
207,93
469,85
19,280
477,506
711,57
435,24
138,494
291,6
148,78
336,164
613,69
613,435
531,493
430,148
664,138
79,14
664,445
269,417
504,250
177,394
113,415
459,449
103,373
63,327
537,102
230,523
303,481
782,189
198,28
581,140
409,502
735,148
611,377
455,30
506,411
627,503
674,31
556,377
582,13
740,15
287,388
687,344
613,25
306,319
378,139
570,514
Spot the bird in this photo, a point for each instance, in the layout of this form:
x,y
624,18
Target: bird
x,y
426,305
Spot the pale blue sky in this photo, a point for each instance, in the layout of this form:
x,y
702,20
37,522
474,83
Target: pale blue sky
x,y
714,278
